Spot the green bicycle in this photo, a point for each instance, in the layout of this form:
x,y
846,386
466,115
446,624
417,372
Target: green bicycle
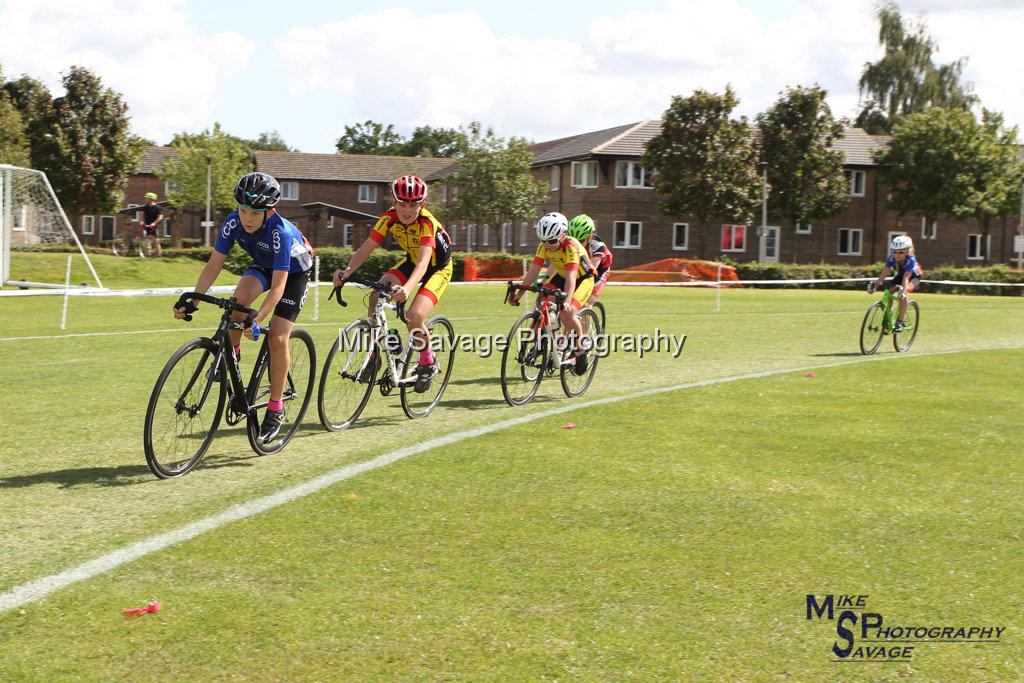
x,y
881,320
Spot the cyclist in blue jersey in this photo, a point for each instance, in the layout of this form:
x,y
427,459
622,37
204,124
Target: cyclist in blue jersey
x,y
281,261
907,274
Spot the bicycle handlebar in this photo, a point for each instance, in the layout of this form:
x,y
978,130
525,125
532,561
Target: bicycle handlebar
x,y
544,290
230,304
383,288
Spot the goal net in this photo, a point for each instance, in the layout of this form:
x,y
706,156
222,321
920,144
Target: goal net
x,y
31,215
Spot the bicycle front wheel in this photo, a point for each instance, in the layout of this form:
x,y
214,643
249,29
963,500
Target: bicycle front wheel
x,y
298,390
184,410
347,378
904,338
871,328
599,309
576,384
442,338
524,360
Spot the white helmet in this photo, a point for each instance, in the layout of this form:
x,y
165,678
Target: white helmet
x,y
552,226
901,242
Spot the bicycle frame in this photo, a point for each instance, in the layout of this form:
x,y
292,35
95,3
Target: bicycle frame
x,y
892,312
378,328
542,313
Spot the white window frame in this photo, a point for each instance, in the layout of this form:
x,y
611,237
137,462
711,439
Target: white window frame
x,y
89,226
556,176
803,229
927,234
522,233
860,241
444,194
167,227
581,169
289,190
686,236
347,233
21,224
732,238
852,179
367,194
171,187
646,181
983,244
470,237
627,234
486,241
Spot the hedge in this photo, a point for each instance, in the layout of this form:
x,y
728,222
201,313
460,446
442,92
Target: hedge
x,y
821,271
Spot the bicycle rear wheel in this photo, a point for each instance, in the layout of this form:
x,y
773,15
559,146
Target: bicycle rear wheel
x,y
298,390
903,339
523,361
347,378
442,336
575,385
871,328
181,418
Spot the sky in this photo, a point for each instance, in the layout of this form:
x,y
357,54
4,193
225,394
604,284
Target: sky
x,y
532,68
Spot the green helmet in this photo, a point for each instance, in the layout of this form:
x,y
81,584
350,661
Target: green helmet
x,y
581,227
151,195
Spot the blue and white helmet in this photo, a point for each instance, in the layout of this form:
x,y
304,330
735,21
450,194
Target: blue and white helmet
x,y
552,226
900,242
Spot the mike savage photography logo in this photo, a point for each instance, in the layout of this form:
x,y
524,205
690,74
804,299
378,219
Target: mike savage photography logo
x,y
866,636
487,345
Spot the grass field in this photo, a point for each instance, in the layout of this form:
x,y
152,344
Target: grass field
x,y
669,536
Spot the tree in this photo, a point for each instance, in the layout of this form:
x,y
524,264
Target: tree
x,y
33,101
493,178
805,175
269,140
946,162
905,80
705,163
370,137
427,141
230,159
14,148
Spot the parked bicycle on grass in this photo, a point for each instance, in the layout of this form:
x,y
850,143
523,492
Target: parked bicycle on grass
x,y
366,346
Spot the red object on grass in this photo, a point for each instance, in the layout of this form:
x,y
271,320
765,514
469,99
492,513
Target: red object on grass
x,y
569,425
135,611
809,374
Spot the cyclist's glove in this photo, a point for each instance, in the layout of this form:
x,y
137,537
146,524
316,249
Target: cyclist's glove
x,y
188,305
255,330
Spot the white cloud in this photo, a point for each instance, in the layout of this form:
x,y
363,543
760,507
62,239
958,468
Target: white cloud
x,y
168,71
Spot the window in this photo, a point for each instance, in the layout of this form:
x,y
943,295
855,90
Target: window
x,y
346,234
849,241
487,235
632,174
167,227
856,179
734,238
368,194
522,233
20,223
556,172
507,232
803,228
926,233
444,194
170,187
627,234
680,236
584,174
289,190
107,227
470,236
88,225
977,248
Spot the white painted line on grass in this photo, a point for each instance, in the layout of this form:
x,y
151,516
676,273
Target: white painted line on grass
x,y
40,588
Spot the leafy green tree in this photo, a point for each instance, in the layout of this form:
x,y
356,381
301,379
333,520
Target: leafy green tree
x,y
493,178
946,162
805,175
370,137
35,104
906,80
186,175
427,141
269,140
14,148
704,162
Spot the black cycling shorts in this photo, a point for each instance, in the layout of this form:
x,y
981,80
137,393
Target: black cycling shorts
x,y
294,290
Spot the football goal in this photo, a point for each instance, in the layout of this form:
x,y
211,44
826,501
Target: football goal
x,y
31,215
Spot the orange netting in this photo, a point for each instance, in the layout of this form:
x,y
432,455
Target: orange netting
x,y
474,269
676,270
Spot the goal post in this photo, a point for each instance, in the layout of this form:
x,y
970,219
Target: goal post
x,y
30,214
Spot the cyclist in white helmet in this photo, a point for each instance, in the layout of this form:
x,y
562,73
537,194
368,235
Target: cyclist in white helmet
x,y
574,275
907,271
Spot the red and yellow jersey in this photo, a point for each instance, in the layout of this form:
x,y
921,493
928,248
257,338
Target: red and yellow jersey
x,y
569,256
426,231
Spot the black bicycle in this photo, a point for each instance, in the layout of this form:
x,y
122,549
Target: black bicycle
x,y
366,348
202,381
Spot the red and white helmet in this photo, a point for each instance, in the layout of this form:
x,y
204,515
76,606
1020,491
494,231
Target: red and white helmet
x,y
409,188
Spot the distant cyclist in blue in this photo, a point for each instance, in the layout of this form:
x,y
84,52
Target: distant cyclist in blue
x,y
281,261
907,274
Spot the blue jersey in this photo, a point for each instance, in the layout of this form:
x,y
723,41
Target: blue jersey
x,y
278,245
909,264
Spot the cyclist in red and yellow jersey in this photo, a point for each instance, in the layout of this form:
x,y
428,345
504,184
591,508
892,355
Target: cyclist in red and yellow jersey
x,y
574,275
427,264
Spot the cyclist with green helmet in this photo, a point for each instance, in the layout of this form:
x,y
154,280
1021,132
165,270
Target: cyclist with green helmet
x,y
582,228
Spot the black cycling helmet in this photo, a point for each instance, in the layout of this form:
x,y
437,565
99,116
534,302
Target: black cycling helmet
x,y
258,191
